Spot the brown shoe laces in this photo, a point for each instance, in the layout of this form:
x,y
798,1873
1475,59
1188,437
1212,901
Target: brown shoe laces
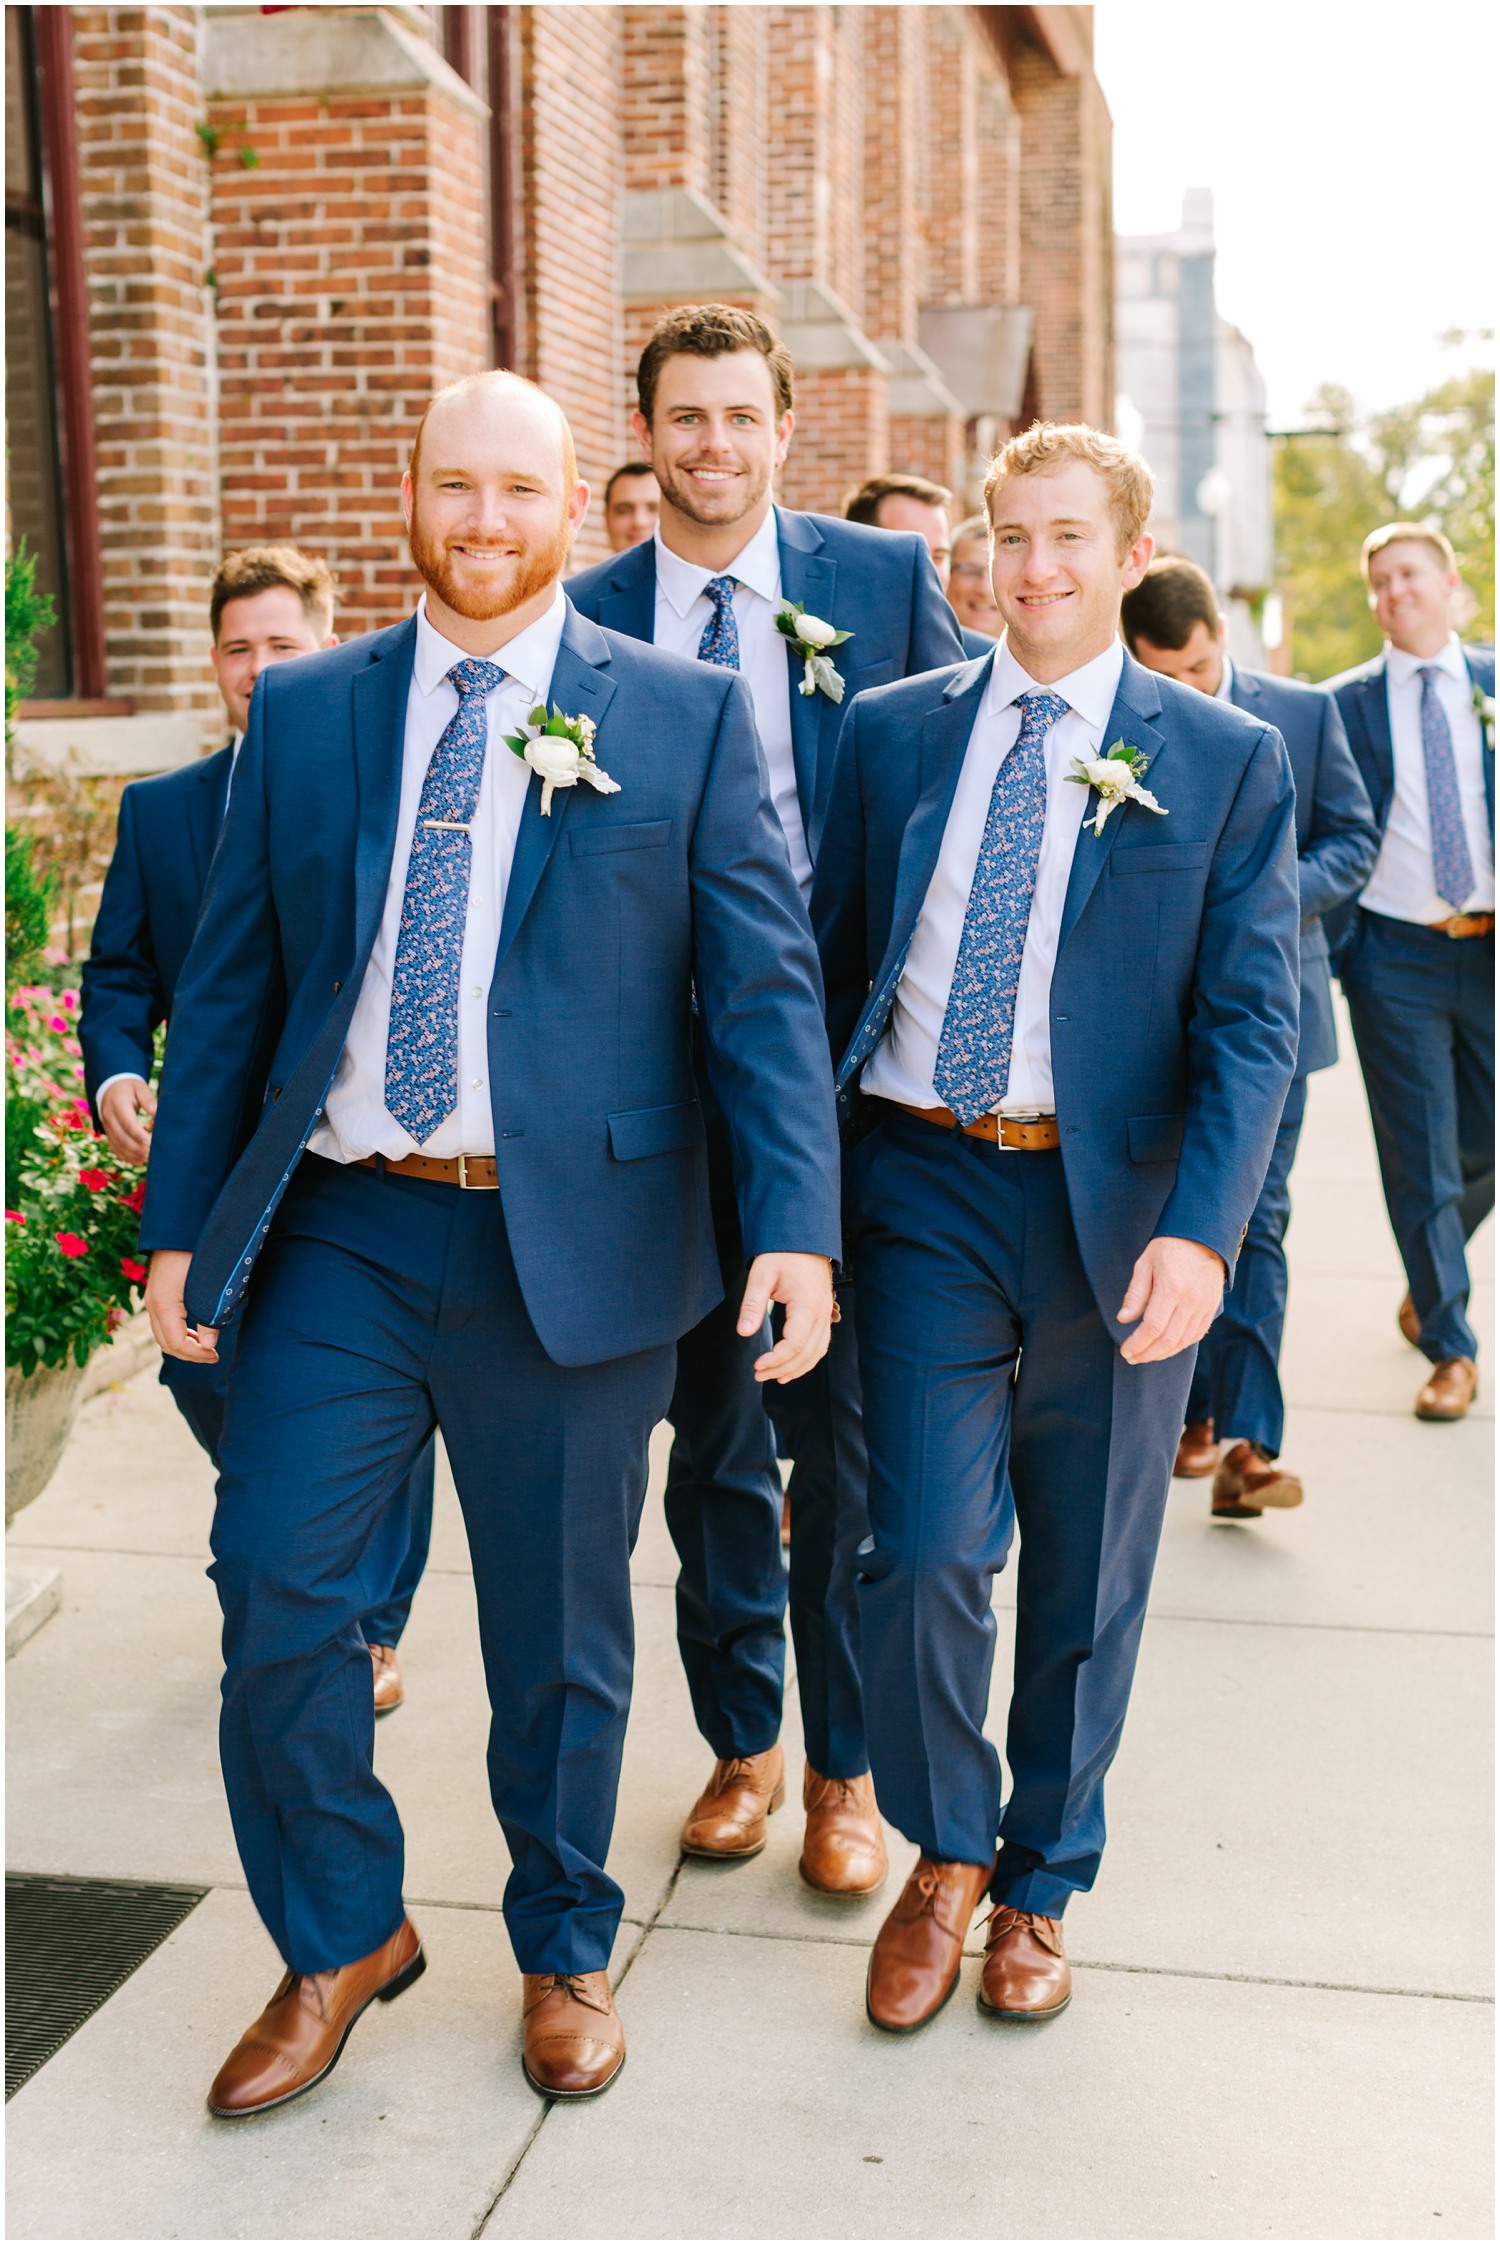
x,y
571,1984
1034,1922
737,1771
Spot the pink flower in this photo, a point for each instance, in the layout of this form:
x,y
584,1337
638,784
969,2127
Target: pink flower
x,y
69,999
57,1022
135,1272
72,1246
95,1179
14,1216
137,1198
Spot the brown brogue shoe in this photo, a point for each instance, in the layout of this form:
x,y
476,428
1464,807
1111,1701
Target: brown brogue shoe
x,y
1249,1480
389,1688
299,2037
1449,1389
843,1848
728,1819
574,2044
1197,1451
1026,1975
915,1961
1409,1322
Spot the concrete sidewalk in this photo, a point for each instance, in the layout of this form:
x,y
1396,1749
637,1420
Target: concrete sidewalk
x,y
1283,2019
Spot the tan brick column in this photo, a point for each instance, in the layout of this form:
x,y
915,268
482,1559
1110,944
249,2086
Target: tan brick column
x,y
1067,261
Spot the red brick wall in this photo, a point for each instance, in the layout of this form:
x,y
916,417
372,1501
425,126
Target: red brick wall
x,y
144,186
666,73
842,436
351,287
895,140
1067,249
952,264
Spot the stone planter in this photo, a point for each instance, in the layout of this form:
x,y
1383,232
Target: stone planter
x,y
40,1408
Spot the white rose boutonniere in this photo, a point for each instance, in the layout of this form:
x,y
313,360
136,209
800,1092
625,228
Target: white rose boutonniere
x,y
1116,779
1484,710
560,750
812,637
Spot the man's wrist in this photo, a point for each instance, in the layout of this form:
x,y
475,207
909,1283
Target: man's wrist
x,y
121,1076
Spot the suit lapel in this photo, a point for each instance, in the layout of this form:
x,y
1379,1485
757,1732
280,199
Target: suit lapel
x,y
1137,704
579,689
205,809
629,604
1376,709
380,695
808,574
1486,754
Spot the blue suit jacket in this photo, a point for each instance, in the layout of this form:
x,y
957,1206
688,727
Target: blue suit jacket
x,y
1174,1023
616,907
976,643
149,908
878,584
1361,697
1336,838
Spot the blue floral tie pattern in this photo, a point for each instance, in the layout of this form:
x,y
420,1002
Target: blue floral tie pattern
x,y
973,1055
1452,866
721,634
421,1054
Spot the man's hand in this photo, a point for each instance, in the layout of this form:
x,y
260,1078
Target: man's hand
x,y
126,1111
803,1284
166,1282
1175,1290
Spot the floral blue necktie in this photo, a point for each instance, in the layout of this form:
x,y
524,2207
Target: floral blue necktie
x,y
1452,866
973,1055
421,1054
721,634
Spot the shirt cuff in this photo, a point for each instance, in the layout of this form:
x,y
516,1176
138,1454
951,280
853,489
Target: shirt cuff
x,y
120,1076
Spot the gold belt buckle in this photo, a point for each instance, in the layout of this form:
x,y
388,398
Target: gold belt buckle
x,y
463,1175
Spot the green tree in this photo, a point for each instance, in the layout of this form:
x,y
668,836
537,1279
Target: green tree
x,y
1430,461
28,613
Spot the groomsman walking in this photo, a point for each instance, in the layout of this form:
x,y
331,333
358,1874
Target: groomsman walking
x,y
461,945
1057,909
1416,955
267,604
1236,1414
810,612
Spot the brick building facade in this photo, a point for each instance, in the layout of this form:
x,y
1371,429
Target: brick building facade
x,y
263,237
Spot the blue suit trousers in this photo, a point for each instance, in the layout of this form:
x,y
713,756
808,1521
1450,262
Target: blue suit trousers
x,y
384,1307
981,1350
1237,1379
199,1390
1422,1008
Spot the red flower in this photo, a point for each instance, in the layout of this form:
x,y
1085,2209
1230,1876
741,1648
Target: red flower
x,y
72,1246
135,1199
135,1272
14,1216
95,1179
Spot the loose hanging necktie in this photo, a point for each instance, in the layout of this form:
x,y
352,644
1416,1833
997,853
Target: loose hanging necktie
x,y
973,1056
421,1054
1452,866
721,634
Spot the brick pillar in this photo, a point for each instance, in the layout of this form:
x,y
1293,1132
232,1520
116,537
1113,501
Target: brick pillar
x,y
350,256
953,167
143,180
1067,264
997,242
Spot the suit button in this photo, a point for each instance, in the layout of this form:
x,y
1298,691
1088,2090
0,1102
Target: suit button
x,y
275,1092
338,986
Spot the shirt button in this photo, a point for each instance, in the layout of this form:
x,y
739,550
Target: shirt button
x,y
477,991
478,1083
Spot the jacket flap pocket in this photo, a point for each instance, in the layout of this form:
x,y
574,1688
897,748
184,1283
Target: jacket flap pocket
x,y
646,834
869,674
654,1130
1155,1137
1157,857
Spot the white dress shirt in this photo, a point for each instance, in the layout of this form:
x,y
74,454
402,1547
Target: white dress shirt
x,y
1401,885
356,1120
1224,691
902,1064
683,610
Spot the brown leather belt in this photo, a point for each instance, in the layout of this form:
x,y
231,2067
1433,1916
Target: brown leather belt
x,y
1464,924
1035,1136
474,1173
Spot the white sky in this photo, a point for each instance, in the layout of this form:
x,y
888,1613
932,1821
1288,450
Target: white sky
x,y
1339,265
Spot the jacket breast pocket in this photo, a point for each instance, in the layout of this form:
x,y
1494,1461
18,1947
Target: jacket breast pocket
x,y
1157,857
643,1131
645,834
1154,1137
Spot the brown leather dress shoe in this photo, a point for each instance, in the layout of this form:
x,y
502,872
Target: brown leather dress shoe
x,y
574,2044
1248,1480
843,1848
1409,1322
728,1819
786,1523
915,1961
389,1689
300,2036
1197,1451
1026,1975
1449,1389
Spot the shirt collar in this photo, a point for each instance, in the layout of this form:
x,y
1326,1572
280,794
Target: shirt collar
x,y
1401,667
756,565
1089,691
530,658
1225,689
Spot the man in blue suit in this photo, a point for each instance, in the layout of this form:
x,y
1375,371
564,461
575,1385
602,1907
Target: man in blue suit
x,y
460,945
1235,1412
911,502
1057,911
715,420
267,604
1416,955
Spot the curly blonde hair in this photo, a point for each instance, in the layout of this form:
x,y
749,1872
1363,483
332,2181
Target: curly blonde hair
x,y
1048,445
